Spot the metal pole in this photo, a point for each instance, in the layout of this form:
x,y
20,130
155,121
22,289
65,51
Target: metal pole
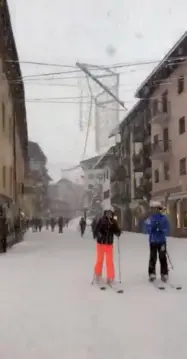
x,y
94,78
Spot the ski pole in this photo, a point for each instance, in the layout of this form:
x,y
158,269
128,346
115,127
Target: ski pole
x,y
119,259
93,280
169,259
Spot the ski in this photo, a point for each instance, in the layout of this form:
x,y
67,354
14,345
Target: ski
x,y
103,287
159,284
109,286
117,290
173,286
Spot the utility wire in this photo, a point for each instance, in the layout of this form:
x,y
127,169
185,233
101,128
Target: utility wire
x,y
102,67
172,61
154,82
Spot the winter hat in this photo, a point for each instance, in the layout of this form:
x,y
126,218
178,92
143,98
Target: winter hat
x,y
156,204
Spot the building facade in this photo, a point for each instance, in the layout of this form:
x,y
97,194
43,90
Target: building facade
x,y
105,166
69,196
13,124
36,190
131,179
57,206
166,87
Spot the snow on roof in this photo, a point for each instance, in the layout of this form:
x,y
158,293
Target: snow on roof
x,y
166,58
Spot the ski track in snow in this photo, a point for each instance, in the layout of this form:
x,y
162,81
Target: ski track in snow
x,y
49,310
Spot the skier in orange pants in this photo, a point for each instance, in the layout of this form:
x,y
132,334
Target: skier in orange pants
x,y
105,230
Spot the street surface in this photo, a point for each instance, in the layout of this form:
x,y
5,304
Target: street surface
x,y
49,310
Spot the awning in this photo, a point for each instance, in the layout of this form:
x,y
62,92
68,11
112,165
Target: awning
x,y
177,196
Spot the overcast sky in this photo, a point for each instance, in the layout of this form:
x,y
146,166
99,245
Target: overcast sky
x,y
63,32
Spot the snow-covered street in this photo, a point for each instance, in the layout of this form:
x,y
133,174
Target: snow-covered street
x,y
49,310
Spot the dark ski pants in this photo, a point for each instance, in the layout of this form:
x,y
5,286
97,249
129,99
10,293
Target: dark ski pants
x,y
4,244
160,251
60,229
82,231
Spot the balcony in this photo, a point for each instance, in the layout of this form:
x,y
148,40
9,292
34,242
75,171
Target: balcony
x,y
119,174
116,192
161,150
148,172
138,192
138,136
138,162
161,114
119,193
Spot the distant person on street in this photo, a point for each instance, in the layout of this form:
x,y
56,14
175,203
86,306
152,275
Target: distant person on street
x,y
60,224
82,225
94,225
52,223
47,224
3,230
40,224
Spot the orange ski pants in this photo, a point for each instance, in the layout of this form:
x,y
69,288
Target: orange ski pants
x,y
102,251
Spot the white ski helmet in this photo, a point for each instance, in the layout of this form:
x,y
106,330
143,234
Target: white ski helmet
x,y
156,204
108,208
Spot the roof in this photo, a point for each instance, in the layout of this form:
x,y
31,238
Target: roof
x,y
176,53
135,112
128,117
89,163
104,158
115,131
63,179
35,152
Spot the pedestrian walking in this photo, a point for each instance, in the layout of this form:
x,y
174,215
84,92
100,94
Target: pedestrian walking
x,y
82,225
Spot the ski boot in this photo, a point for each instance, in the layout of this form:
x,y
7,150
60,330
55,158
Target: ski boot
x,y
152,277
98,279
164,278
110,282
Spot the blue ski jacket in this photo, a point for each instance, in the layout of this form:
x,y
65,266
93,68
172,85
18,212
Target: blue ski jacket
x,y
157,227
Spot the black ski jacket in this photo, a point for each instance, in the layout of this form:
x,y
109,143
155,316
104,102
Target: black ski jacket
x,y
105,230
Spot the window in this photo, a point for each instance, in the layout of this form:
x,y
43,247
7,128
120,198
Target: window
x,y
3,115
106,194
10,129
166,142
4,177
155,139
182,166
149,129
156,175
11,180
164,102
155,142
181,125
155,107
166,172
180,85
